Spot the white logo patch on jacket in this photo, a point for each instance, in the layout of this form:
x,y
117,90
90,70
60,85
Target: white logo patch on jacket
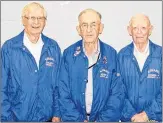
x,y
104,73
49,61
153,73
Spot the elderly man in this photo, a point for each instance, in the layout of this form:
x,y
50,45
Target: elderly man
x,y
141,70
30,63
90,88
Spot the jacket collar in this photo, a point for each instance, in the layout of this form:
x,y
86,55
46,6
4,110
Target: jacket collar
x,y
18,40
78,51
151,49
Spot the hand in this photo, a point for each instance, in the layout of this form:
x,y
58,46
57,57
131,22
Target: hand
x,y
137,118
141,117
85,120
134,117
144,116
55,119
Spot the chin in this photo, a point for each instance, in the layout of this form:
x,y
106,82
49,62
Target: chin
x,y
141,41
89,40
36,31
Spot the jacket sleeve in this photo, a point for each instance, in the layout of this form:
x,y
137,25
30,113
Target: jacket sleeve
x,y
56,111
5,90
128,110
69,112
113,108
154,109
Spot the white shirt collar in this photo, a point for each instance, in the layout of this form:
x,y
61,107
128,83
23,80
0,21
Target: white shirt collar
x,y
141,56
26,40
145,51
96,52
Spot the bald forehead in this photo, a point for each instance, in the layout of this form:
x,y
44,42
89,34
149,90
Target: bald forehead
x,y
140,19
89,12
33,7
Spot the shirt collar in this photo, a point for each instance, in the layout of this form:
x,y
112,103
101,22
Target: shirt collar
x,y
145,51
26,40
98,48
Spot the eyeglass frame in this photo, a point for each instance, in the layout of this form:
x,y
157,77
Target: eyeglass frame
x,y
92,25
32,18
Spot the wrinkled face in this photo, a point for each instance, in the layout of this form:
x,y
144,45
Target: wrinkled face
x,y
34,20
89,26
140,29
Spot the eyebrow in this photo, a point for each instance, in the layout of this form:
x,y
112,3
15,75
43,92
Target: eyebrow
x,y
87,23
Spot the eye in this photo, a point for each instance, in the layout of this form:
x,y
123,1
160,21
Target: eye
x,y
135,28
84,25
33,18
93,25
40,18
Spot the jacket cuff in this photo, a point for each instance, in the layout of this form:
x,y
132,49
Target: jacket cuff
x,y
150,114
126,117
56,114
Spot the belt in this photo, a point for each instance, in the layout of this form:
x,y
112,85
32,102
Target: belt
x,y
50,120
88,114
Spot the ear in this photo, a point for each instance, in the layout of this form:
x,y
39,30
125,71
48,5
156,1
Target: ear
x,y
78,30
129,30
23,21
45,22
150,30
101,28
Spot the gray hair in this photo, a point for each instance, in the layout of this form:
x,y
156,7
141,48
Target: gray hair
x,y
86,10
26,8
139,15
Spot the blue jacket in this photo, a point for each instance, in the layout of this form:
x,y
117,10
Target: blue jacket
x,y
143,90
107,87
29,94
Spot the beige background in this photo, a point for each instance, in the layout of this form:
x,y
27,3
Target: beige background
x,y
62,19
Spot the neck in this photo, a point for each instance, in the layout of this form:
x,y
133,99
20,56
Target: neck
x,y
141,46
33,38
90,47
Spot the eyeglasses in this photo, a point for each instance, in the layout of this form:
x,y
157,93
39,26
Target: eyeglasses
x,y
32,18
85,26
142,29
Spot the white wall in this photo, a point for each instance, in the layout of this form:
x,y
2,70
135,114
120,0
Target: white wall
x,y
62,19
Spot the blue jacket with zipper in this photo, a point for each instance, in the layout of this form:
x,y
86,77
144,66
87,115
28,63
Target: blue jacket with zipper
x,y
143,90
29,93
107,85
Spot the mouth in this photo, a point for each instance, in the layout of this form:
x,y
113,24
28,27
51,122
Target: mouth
x,y
35,27
140,37
89,35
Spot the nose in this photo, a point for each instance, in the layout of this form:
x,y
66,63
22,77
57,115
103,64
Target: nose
x,y
139,30
89,28
36,21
